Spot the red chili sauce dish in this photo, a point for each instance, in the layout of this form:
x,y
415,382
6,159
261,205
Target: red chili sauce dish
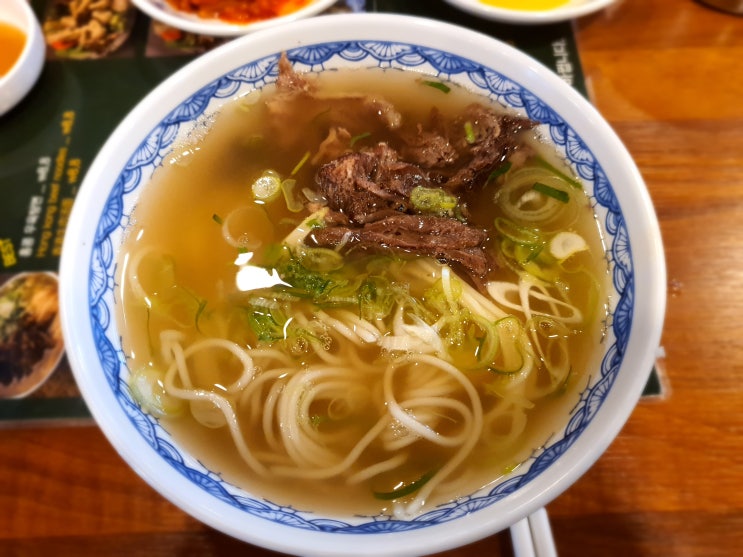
x,y
239,11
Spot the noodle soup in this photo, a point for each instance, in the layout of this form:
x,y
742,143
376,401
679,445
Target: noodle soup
x,y
363,292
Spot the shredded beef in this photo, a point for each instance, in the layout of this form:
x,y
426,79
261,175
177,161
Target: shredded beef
x,y
289,80
495,140
335,144
368,189
456,160
430,146
363,183
410,232
444,238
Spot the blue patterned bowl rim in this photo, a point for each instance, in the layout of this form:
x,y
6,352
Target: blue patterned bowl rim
x,y
185,102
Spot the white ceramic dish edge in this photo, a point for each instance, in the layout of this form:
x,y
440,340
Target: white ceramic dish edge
x,y
650,305
17,83
161,11
572,10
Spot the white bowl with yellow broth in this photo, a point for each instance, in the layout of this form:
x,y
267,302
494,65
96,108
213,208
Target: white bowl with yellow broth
x,y
21,52
363,284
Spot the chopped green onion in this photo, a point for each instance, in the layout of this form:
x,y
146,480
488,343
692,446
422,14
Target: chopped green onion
x,y
320,260
469,132
216,218
500,171
147,387
292,203
300,164
432,200
518,234
267,323
376,298
359,137
526,253
175,303
202,307
405,490
487,340
550,338
438,85
572,181
315,284
511,357
561,195
267,186
564,244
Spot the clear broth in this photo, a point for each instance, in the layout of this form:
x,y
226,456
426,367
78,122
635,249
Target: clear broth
x,y
210,175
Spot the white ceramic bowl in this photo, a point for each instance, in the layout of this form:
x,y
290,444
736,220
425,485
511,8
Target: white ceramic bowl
x,y
571,10
165,13
16,84
146,135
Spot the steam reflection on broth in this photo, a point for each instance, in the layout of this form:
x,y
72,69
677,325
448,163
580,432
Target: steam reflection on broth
x,y
339,298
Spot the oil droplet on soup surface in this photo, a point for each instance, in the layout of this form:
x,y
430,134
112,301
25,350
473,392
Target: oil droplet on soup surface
x,y
527,5
12,41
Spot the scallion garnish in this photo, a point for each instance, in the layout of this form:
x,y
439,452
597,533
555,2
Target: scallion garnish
x,y
216,218
469,132
500,171
560,195
300,164
443,87
572,181
404,490
267,186
202,307
359,137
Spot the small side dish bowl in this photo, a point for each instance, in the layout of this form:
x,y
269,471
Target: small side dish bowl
x,y
162,11
24,73
570,9
585,425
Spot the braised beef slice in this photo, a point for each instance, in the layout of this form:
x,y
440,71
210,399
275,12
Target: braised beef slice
x,y
396,174
289,80
368,190
430,146
444,238
411,232
457,161
364,183
495,140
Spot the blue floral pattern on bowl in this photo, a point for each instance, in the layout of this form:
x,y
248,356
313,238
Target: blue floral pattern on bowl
x,y
255,75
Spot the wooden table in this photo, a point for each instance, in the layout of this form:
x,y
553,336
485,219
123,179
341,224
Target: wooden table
x,y
668,74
